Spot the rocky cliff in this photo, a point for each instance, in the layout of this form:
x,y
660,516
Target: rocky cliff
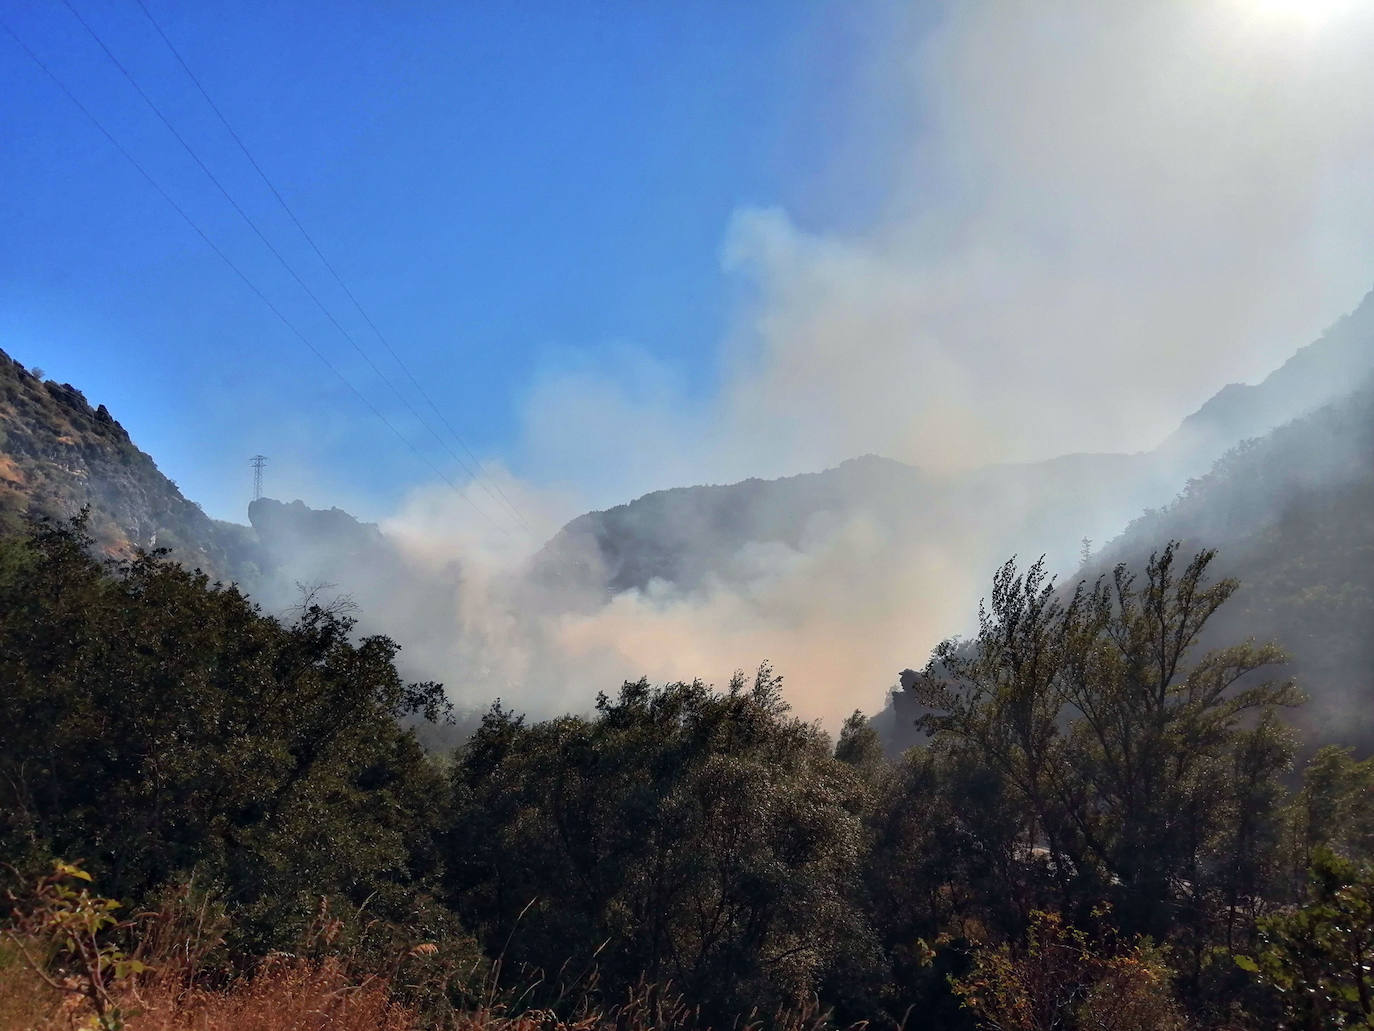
x,y
59,455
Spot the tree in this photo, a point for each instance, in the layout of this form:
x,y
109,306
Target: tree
x,y
1064,979
1319,955
1003,695
707,839
942,872
1135,763
861,748
156,725
1336,807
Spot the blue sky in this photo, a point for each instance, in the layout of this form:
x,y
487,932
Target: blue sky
x,y
507,188
629,246
626,246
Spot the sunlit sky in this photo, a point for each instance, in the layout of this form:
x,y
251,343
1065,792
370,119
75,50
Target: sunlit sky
x,y
628,245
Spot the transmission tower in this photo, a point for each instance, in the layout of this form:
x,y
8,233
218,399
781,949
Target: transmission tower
x,y
257,462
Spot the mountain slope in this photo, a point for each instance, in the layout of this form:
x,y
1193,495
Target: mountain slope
x,y
59,455
1291,517
686,536
1316,374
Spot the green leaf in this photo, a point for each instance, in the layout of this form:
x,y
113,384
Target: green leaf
x,y
70,870
1246,963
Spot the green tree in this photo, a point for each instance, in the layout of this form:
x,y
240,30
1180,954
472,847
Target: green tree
x,y
1142,771
1336,807
708,839
943,872
157,725
1319,955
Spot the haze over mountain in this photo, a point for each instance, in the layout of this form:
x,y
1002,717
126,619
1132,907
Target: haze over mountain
x,y
687,537
703,404
853,554
841,577
970,239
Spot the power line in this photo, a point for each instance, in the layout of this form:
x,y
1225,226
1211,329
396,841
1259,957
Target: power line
x,y
324,260
152,105
227,260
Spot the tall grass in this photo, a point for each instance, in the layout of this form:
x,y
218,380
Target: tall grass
x,y
67,965
283,995
291,994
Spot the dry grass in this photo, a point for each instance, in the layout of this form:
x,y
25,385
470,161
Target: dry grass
x,y
284,995
25,1001
10,472
182,984
296,995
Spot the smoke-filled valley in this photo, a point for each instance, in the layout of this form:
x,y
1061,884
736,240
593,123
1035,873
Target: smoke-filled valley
x,y
772,516
840,578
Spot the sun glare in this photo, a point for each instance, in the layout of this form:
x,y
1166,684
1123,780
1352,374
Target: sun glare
x,y
1303,14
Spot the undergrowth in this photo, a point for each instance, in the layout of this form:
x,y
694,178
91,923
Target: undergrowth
x,y
71,961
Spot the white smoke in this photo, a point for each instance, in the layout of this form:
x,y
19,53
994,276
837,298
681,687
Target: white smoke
x,y
1095,215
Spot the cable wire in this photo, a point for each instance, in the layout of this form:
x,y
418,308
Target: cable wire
x,y
152,105
324,260
227,260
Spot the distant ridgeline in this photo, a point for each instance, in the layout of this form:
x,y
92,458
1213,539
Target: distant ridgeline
x,y
59,455
1278,476
1292,516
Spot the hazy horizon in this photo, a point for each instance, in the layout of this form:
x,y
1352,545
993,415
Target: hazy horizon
x,y
646,248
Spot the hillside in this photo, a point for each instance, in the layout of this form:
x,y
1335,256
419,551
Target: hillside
x,y
1290,516
687,535
1314,375
852,572
59,455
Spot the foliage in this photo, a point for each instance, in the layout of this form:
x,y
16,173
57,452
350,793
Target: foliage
x,y
1290,514
161,726
681,856
1063,979
1140,771
681,834
65,935
1319,955
1336,807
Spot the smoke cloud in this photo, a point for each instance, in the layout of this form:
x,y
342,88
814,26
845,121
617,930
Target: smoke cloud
x,y
1094,216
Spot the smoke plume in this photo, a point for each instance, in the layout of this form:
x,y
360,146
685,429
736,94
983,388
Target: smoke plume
x,y
1092,217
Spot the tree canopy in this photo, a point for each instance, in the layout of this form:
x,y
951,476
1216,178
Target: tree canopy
x,y
1100,829
157,725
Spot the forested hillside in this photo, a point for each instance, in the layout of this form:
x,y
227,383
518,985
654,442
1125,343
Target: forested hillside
x,y
209,816
1290,514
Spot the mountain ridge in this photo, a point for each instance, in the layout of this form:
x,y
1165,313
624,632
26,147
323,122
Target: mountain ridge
x,y
1109,488
845,544
58,456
